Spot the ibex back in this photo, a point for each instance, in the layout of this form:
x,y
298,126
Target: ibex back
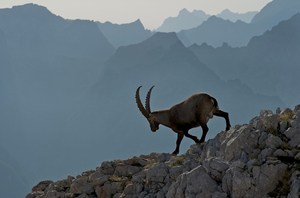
x,y
193,112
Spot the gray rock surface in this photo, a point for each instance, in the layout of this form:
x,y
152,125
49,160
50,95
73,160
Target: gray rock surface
x,y
259,159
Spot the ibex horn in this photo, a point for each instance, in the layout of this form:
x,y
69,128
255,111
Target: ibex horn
x,y
139,103
147,105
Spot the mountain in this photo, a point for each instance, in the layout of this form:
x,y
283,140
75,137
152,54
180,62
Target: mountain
x,y
258,159
275,54
108,117
34,26
187,20
276,11
124,34
184,20
215,31
232,16
46,65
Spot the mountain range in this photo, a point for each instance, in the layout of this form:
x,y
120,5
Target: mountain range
x,y
268,64
67,86
187,20
215,30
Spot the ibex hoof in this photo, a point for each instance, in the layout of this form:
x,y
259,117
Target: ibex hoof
x,y
175,153
201,142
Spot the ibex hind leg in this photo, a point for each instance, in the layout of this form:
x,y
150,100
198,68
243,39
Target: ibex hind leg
x,y
224,115
196,140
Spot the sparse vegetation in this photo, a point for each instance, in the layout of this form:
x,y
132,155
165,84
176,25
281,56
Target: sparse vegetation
x,y
178,161
273,131
286,116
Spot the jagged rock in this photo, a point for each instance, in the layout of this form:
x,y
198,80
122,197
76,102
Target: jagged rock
x,y
196,183
259,159
42,185
81,185
294,185
239,143
273,141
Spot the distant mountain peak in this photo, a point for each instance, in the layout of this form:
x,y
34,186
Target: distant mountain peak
x,y
164,38
31,7
235,16
184,20
226,11
183,11
124,34
30,10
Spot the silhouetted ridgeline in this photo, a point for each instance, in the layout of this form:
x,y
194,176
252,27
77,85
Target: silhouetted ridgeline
x,y
187,20
269,64
216,30
259,159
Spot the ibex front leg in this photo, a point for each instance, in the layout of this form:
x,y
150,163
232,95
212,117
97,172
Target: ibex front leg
x,y
204,132
178,141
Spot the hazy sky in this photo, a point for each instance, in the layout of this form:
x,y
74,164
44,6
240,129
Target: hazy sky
x,y
151,12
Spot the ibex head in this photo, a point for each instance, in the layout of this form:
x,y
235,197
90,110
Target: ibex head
x,y
146,111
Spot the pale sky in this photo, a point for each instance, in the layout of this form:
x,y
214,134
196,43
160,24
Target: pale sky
x,y
150,12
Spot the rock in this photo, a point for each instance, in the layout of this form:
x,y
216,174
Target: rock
x,y
259,159
241,183
98,178
294,185
219,195
267,177
126,170
239,142
42,185
297,157
197,182
81,185
273,141
216,168
280,153
267,121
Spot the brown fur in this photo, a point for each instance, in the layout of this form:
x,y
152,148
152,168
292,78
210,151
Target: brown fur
x,y
193,112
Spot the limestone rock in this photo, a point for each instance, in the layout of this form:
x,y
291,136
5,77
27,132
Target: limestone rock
x,y
259,159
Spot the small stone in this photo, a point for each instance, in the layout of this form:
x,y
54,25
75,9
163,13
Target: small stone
x,y
280,153
218,194
265,153
81,185
297,157
273,141
42,185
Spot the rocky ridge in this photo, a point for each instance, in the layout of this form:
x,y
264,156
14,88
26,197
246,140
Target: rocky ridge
x,y
259,159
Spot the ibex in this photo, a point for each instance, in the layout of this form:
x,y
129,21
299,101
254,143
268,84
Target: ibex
x,y
193,112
